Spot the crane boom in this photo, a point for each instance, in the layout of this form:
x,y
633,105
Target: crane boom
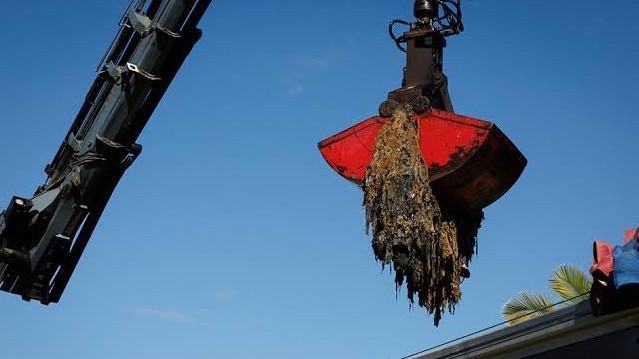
x,y
42,238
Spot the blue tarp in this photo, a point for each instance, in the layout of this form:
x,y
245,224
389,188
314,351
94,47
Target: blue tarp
x,y
626,264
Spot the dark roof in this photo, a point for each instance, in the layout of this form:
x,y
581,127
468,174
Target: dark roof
x,y
570,332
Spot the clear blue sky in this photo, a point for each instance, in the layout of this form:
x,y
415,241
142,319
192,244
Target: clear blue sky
x,y
231,238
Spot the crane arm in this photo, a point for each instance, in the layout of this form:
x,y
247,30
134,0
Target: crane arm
x,y
42,238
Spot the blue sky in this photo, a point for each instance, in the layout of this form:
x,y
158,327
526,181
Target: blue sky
x,y
231,238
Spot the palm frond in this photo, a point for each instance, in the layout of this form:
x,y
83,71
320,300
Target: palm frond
x,y
526,306
570,283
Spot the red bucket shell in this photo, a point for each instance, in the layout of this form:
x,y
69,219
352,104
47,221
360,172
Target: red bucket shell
x,y
471,162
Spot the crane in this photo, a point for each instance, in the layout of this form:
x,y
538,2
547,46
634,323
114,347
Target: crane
x,y
42,237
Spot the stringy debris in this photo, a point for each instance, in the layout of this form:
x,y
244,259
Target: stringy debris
x,y
428,247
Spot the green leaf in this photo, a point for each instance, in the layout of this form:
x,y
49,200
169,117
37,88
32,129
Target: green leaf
x,y
570,283
526,306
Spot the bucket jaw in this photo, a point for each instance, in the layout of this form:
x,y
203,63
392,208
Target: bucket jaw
x,y
471,162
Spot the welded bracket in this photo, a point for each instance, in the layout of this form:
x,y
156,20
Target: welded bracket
x,y
143,25
117,72
74,142
117,152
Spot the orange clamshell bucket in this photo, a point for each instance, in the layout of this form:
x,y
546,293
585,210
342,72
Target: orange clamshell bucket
x,y
471,162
